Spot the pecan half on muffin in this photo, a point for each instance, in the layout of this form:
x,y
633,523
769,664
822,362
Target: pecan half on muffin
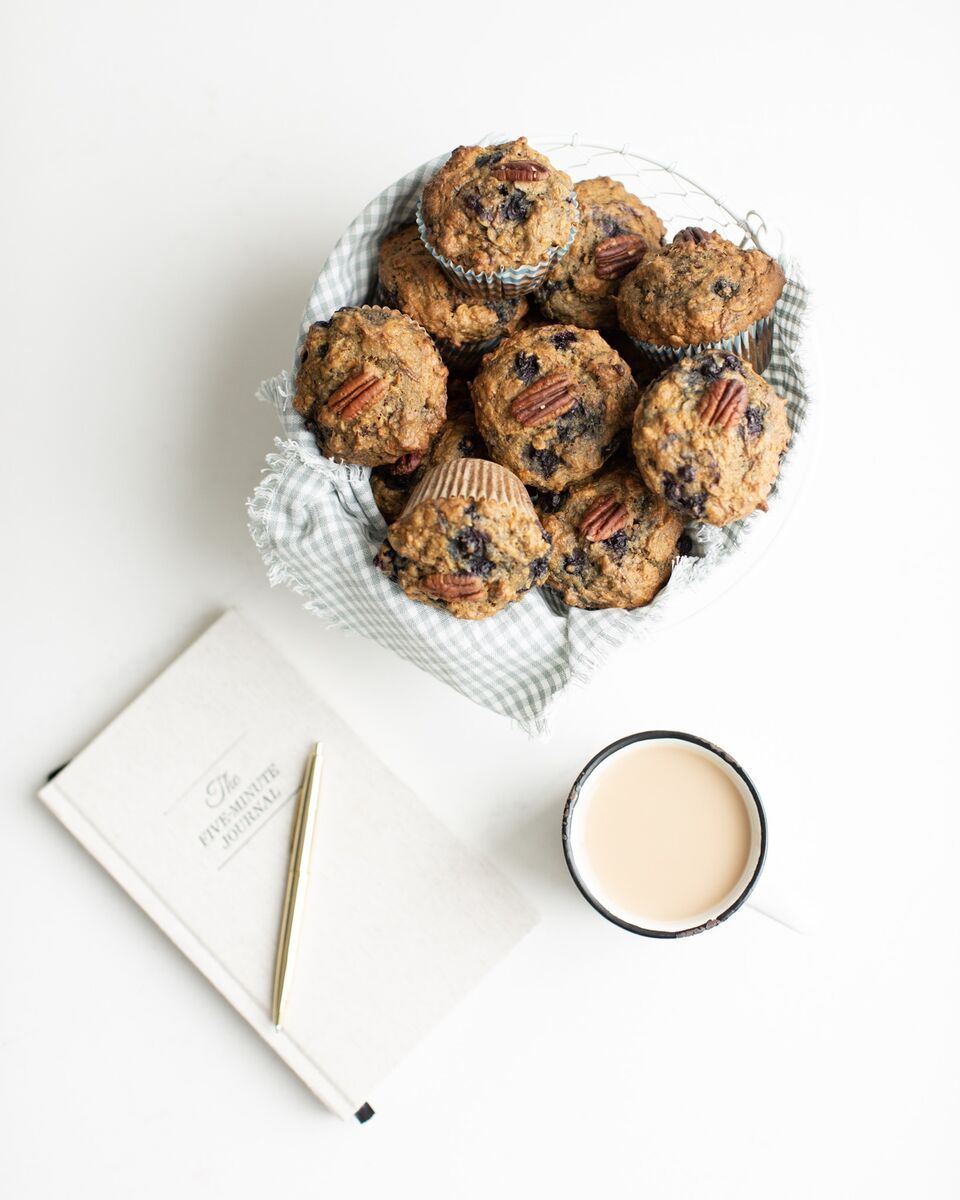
x,y
469,541
709,436
552,403
371,386
614,542
616,232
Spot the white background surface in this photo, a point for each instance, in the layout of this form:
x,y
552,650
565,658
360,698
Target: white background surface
x,y
174,177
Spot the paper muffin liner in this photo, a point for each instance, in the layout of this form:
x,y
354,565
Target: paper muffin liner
x,y
473,479
460,357
510,282
755,344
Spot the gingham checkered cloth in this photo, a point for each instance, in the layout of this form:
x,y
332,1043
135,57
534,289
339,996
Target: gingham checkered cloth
x,y
317,527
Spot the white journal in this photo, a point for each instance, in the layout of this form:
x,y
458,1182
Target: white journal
x,y
187,799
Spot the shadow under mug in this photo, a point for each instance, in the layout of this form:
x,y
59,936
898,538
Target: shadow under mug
x,y
727,905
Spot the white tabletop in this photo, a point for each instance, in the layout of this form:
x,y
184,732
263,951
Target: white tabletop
x,y
175,177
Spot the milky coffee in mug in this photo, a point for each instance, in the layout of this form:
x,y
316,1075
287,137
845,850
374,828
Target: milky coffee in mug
x,y
664,834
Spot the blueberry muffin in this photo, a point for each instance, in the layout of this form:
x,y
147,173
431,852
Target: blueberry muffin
x,y
496,208
371,386
700,289
392,485
468,542
613,542
615,233
463,327
552,403
708,437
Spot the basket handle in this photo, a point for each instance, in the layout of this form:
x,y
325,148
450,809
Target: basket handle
x,y
763,235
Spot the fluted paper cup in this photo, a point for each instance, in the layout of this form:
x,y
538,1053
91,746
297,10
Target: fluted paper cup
x,y
510,282
473,479
755,344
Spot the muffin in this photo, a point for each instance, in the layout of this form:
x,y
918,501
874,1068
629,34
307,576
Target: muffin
x,y
463,327
708,437
702,291
615,233
392,485
497,218
552,403
613,542
468,542
371,386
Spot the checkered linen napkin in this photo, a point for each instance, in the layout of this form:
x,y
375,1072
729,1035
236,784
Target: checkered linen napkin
x,y
317,527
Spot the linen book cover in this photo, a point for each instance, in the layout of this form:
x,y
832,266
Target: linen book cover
x,y
187,799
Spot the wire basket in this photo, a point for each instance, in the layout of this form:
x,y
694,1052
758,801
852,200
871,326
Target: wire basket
x,y
318,528
677,200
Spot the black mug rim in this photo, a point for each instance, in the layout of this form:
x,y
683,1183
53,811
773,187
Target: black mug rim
x,y
574,796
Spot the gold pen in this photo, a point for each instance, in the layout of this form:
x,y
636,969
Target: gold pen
x,y
298,877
